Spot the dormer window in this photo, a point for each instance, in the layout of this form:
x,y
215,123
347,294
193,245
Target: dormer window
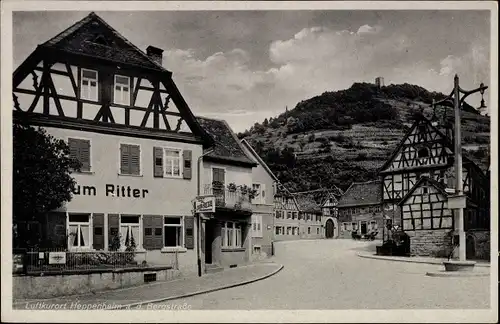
x,y
122,90
89,85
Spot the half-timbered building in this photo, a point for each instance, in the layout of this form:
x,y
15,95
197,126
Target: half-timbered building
x,y
425,151
361,210
310,215
286,216
124,118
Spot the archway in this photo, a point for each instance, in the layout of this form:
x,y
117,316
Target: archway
x,y
329,229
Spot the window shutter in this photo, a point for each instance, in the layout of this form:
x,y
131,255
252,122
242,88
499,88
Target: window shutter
x,y
135,159
157,232
124,159
187,157
147,224
189,232
85,154
158,162
98,230
113,225
73,148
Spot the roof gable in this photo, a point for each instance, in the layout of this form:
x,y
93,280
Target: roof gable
x,y
313,200
92,36
258,159
422,182
227,148
362,193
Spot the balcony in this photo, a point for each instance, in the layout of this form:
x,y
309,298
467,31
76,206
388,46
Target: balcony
x,y
230,197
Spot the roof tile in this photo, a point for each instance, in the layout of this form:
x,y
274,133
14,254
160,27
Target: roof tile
x,y
362,193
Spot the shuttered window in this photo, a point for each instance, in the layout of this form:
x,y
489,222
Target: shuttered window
x,y
130,159
80,149
172,163
189,232
153,232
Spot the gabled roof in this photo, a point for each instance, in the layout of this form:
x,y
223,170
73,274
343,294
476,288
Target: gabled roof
x,y
92,36
362,193
313,200
424,181
447,142
258,159
227,147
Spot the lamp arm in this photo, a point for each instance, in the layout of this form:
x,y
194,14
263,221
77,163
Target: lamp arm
x,y
468,93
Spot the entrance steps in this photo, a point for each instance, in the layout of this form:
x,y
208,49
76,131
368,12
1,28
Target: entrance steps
x,y
213,268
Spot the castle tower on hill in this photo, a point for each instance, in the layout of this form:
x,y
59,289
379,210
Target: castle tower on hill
x,y
379,82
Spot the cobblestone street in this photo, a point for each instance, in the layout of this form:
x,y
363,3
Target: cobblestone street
x,y
327,274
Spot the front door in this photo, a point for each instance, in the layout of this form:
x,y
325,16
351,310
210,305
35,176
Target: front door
x,y
363,228
209,238
329,229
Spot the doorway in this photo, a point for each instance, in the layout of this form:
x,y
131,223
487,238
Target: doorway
x,y
329,229
209,238
363,228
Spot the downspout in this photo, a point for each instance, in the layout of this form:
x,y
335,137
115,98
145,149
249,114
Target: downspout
x,y
198,186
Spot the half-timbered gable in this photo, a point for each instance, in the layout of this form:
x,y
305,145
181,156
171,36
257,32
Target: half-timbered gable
x,y
426,152
425,207
90,75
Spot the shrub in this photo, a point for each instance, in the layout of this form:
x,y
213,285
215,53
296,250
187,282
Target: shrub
x,y
311,138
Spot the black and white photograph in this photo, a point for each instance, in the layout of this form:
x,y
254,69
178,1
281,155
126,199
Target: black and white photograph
x,y
300,161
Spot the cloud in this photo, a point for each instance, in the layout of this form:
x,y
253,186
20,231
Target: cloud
x,y
314,60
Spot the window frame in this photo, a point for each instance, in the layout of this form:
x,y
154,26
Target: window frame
x,y
89,223
236,228
182,233
181,164
139,241
120,160
82,79
258,199
257,220
121,90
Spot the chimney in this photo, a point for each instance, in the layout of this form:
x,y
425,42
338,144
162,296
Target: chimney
x,y
155,53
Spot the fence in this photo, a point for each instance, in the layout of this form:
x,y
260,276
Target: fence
x,y
31,261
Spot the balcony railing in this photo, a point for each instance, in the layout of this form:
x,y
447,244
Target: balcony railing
x,y
226,198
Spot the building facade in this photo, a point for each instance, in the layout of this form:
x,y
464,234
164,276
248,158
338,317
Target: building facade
x,y
426,151
361,210
265,184
227,175
286,217
127,123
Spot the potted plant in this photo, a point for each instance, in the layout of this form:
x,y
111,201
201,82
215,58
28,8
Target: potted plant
x,y
231,187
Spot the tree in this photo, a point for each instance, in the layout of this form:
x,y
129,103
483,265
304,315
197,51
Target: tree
x,y
41,173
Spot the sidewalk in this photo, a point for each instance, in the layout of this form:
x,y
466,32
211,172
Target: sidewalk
x,y
158,291
427,260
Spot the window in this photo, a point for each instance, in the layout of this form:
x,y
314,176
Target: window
x,y
80,149
318,218
423,152
317,230
79,230
256,225
373,225
277,230
354,226
260,196
122,90
172,229
89,85
278,212
297,231
231,235
130,231
288,214
173,162
347,226
130,159
308,230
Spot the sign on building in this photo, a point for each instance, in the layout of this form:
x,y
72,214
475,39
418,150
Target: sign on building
x,y
204,204
57,257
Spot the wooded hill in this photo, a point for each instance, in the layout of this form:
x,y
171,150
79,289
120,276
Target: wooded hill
x,y
345,136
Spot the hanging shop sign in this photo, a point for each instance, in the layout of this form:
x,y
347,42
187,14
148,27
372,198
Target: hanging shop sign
x,y
204,204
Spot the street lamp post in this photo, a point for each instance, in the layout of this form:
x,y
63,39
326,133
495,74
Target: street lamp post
x,y
458,202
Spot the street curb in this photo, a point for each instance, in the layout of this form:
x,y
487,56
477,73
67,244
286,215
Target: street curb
x,y
206,291
385,258
457,274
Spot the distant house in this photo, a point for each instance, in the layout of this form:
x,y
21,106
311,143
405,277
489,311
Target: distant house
x,y
286,216
310,215
361,209
264,182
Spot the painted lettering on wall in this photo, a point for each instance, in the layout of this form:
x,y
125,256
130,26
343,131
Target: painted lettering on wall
x,y
111,190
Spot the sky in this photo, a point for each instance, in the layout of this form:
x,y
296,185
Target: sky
x,y
244,66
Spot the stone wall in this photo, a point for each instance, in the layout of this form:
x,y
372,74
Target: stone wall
x,y
434,243
48,286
